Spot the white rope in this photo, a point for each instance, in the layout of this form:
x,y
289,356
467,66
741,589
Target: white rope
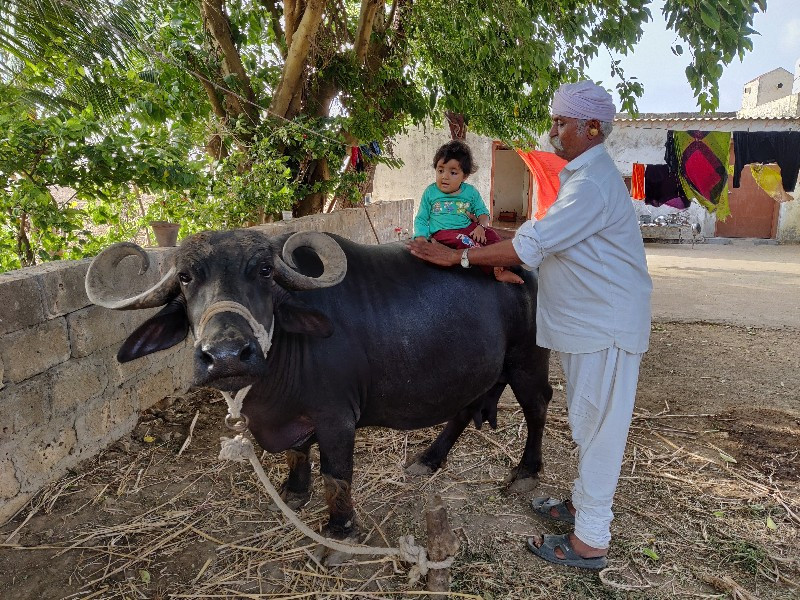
x,y
235,403
264,338
240,449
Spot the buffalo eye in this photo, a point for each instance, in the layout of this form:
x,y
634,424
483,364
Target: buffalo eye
x,y
265,270
184,278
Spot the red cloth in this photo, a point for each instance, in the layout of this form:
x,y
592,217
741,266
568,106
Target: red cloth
x,y
545,166
637,182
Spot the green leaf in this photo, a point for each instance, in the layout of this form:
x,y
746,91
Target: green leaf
x,y
650,553
144,576
718,513
771,524
726,457
709,15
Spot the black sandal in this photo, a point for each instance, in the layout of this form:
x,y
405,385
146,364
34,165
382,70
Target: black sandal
x,y
547,551
543,504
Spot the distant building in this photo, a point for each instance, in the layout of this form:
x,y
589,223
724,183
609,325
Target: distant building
x,y
772,94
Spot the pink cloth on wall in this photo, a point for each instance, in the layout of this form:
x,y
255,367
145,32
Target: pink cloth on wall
x,y
545,166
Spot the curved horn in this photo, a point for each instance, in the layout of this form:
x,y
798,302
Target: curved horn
x,y
334,261
100,280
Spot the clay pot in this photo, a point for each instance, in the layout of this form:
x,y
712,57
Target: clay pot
x,y
166,233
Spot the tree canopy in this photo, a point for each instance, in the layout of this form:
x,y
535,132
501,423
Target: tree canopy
x,y
273,94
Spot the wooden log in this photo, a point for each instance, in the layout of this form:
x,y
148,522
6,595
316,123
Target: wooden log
x,y
442,543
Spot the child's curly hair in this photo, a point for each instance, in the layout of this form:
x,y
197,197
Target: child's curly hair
x,y
456,150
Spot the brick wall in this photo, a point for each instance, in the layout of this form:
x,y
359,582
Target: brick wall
x,y
63,395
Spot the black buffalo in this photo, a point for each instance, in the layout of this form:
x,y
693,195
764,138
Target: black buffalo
x,y
360,335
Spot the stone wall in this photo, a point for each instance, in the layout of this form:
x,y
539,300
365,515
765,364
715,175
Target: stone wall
x,y
788,106
63,395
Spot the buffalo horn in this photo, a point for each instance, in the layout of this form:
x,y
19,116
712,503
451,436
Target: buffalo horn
x,y
333,259
100,280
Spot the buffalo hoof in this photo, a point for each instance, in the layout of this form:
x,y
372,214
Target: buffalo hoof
x,y
330,557
294,500
520,481
419,469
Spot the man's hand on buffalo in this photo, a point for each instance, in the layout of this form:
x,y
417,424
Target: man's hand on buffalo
x,y
434,252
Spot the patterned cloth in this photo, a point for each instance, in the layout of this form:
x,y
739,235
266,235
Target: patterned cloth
x,y
702,158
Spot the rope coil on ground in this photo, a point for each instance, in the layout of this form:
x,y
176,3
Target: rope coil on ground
x,y
240,449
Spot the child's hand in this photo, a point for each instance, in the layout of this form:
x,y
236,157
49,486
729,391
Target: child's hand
x,y
479,234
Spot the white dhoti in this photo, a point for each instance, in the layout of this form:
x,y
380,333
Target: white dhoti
x,y
601,388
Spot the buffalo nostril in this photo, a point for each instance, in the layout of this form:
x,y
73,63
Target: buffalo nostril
x,y
246,353
205,358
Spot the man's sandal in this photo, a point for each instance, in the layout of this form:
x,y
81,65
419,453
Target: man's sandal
x,y
547,551
543,505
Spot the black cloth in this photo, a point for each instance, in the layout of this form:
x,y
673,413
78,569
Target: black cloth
x,y
661,184
782,147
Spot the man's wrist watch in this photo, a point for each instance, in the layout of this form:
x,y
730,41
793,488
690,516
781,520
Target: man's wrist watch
x,y
465,258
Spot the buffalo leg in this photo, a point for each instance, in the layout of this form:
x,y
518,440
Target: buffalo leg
x,y
436,454
296,490
533,392
336,466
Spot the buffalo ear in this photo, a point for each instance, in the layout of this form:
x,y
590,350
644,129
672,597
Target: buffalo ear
x,y
297,317
167,327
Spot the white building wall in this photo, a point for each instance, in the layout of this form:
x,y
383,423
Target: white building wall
x,y
788,106
416,150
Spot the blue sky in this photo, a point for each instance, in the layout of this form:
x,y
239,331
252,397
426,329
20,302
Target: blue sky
x,y
662,73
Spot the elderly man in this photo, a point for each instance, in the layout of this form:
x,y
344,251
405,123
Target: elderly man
x,y
593,309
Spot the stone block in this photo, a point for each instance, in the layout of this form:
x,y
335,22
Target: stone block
x,y
95,328
9,486
24,406
63,288
21,304
76,382
155,386
104,417
45,454
31,351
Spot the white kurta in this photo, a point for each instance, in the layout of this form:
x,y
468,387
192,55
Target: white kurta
x,y
594,288
594,308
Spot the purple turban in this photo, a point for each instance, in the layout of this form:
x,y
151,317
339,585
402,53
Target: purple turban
x,y
583,100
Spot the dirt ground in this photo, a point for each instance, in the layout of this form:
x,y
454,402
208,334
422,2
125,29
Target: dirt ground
x,y
708,504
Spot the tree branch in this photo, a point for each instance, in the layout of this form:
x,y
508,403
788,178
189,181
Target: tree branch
x,y
364,31
296,58
216,23
275,19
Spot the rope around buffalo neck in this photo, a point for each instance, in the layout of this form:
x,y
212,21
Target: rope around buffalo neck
x,y
262,335
240,449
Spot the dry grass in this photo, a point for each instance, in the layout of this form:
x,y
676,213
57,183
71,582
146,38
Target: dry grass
x,y
144,521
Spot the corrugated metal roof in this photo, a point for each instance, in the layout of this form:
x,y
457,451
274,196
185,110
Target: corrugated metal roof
x,y
664,118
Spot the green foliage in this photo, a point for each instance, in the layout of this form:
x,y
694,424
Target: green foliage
x,y
716,32
114,98
107,167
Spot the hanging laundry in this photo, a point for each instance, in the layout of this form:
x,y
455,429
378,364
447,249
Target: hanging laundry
x,y
782,147
637,182
357,159
376,149
768,178
545,167
366,151
703,167
661,186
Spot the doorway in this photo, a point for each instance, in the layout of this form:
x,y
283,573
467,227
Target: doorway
x,y
512,187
